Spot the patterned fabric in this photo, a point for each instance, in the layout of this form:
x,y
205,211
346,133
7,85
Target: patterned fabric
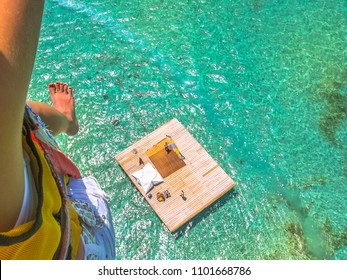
x,y
91,205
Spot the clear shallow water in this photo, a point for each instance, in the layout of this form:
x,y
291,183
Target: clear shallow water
x,y
262,85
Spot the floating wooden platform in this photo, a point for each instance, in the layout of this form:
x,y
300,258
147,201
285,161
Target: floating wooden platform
x,y
185,165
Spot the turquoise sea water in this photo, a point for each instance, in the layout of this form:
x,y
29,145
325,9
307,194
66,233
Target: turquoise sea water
x,y
261,84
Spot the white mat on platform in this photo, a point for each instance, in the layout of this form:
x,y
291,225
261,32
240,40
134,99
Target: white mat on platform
x,y
148,177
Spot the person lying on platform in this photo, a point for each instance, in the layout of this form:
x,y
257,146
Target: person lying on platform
x,y
174,148
166,147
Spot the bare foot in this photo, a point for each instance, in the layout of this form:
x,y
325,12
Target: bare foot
x,y
63,101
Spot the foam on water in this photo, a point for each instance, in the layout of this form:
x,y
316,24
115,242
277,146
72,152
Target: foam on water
x,y
260,84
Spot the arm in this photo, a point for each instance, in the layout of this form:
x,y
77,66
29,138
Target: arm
x,y
20,22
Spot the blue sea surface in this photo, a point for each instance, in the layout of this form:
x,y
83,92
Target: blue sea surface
x,y
261,84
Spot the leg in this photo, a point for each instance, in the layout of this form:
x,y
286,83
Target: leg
x,y
60,118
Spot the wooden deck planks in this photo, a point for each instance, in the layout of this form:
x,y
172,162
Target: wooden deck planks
x,y
202,179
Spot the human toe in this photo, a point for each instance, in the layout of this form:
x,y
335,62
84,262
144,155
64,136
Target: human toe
x,y
65,88
51,88
58,86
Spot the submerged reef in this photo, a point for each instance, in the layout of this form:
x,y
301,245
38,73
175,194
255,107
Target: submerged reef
x,y
298,244
258,5
335,240
312,182
297,241
335,97
333,121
